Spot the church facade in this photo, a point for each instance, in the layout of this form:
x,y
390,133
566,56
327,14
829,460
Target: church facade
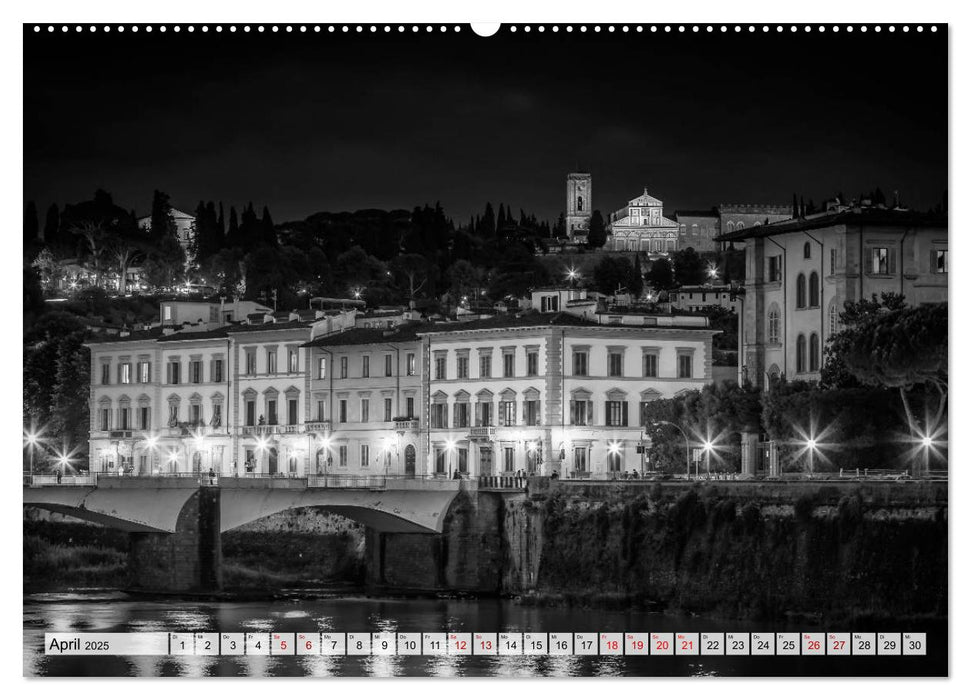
x,y
641,225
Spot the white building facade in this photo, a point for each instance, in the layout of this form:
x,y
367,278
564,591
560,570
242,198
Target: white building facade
x,y
641,225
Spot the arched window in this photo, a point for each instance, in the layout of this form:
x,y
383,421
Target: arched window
x,y
580,205
801,291
807,251
834,317
813,353
774,324
814,289
801,353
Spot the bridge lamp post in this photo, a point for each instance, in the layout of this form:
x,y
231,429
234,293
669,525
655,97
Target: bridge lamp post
x,y
708,446
261,446
613,448
449,447
151,442
32,440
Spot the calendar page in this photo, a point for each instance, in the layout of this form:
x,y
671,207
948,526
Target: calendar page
x,y
434,349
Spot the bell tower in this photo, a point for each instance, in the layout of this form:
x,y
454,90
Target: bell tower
x,y
579,205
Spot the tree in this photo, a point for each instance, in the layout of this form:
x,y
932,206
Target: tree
x,y
414,269
597,235
733,265
613,272
900,348
31,229
267,230
161,223
660,276
487,225
636,284
689,267
69,400
96,237
123,248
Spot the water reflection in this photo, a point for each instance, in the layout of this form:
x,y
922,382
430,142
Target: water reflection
x,y
113,612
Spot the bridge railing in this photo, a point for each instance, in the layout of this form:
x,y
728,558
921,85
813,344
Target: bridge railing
x,y
503,482
53,480
347,481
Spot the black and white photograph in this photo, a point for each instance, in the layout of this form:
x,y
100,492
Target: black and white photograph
x,y
439,350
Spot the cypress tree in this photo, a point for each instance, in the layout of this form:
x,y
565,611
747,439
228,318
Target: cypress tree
x,y
267,230
795,206
232,234
636,284
487,226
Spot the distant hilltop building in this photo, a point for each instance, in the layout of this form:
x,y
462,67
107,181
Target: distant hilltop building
x,y
641,226
185,226
579,206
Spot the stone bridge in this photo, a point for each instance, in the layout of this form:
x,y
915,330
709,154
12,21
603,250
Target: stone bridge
x,y
175,523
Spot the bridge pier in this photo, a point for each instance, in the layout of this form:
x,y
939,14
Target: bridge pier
x,y
188,560
466,557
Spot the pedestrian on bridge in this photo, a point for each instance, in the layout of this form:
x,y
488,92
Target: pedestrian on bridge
x,y
212,477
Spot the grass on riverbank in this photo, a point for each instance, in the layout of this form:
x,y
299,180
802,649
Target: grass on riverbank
x,y
85,565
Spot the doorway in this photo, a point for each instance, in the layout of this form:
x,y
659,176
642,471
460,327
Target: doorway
x,y
410,460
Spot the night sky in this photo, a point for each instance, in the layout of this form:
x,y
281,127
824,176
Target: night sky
x,y
328,122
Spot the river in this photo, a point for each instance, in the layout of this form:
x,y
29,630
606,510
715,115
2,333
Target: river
x,y
90,610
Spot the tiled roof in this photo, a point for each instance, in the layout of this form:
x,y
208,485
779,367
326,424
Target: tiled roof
x,y
873,217
221,332
133,337
369,336
256,327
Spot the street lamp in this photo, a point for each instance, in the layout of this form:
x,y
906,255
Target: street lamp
x,y
32,439
708,446
449,446
687,447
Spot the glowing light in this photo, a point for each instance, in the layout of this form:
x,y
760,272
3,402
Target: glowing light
x,y
572,273
613,448
173,456
927,441
262,443
199,438
811,443
450,444
708,445
32,439
151,442
712,271
64,461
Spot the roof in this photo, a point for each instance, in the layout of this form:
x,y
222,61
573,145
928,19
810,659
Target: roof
x,y
221,332
706,213
256,327
869,217
133,337
369,336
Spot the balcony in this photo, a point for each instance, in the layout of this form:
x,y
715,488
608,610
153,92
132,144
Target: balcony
x,y
482,432
120,434
318,426
406,425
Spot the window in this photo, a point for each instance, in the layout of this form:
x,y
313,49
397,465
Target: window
x,y
321,367
508,459
485,366
195,414
440,367
105,422
439,415
801,353
881,261
834,318
684,366
250,412
801,291
195,371
365,455
531,412
292,361
365,366
144,417
580,459
410,407
507,413
939,261
342,411
614,461
813,290
462,367
217,370
581,412
271,361
832,261
580,363
650,364
807,251
271,412
813,352
175,370
144,372
439,460
124,373
173,413
775,268
344,368
250,362
483,411
462,415
410,363
463,455
217,415
320,411
615,364
532,363
508,365
342,455
774,325
387,365
616,413
292,412
124,418
105,373
387,411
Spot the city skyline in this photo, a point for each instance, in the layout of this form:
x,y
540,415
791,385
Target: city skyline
x,y
697,122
